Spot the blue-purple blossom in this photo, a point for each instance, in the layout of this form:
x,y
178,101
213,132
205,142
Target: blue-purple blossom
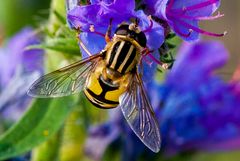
x,y
98,13
183,16
103,135
18,69
196,109
200,109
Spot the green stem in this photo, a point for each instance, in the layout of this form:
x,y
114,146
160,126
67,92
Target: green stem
x,y
54,24
73,137
57,9
48,151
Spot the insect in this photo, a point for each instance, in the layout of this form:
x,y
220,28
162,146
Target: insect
x,y
110,79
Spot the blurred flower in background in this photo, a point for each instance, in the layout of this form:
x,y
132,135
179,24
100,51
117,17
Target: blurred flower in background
x,y
17,14
18,69
198,108
195,111
236,75
183,16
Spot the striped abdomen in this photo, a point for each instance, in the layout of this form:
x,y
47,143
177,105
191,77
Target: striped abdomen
x,y
122,56
102,92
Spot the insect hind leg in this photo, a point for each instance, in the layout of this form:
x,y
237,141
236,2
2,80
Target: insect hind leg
x,y
81,42
147,52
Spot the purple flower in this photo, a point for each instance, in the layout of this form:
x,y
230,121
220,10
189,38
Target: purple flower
x,y
196,108
18,69
103,135
200,109
98,14
183,16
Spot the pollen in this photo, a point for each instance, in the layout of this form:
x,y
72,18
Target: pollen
x,y
91,28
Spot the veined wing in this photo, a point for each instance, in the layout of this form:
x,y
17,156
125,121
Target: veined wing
x,y
139,114
65,81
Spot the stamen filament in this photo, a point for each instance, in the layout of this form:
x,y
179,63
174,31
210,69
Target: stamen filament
x,y
92,29
200,30
170,4
154,59
219,15
197,6
180,32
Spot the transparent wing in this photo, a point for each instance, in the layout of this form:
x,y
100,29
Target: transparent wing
x,y
65,81
139,114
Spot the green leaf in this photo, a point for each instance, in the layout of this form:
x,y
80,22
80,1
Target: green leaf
x,y
39,123
229,155
66,32
73,136
170,35
47,151
63,45
60,17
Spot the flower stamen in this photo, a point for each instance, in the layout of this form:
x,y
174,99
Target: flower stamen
x,y
199,30
147,52
196,6
181,33
92,29
219,15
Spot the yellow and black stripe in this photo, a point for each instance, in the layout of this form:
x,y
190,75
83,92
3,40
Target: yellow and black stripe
x,y
122,56
99,99
103,93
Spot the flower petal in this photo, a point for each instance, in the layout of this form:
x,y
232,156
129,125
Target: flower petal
x,y
155,35
199,59
183,16
94,43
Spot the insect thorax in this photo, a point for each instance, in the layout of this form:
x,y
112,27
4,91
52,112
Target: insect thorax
x,y
122,56
124,51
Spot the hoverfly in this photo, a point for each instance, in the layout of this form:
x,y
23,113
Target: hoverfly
x,y
110,79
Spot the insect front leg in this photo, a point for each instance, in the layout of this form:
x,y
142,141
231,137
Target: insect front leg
x,y
81,43
147,52
108,36
108,33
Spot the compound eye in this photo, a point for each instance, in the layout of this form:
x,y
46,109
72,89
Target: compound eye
x,y
122,30
141,39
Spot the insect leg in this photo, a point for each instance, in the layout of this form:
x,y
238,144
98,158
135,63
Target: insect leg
x,y
83,46
109,32
81,43
147,52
